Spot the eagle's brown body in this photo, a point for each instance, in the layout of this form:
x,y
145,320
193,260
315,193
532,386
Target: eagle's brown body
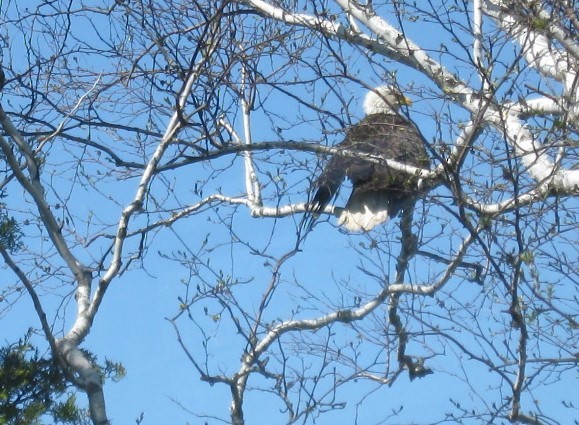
x,y
379,192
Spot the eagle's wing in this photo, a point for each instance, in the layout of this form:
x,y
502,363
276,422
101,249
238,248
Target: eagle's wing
x,y
326,187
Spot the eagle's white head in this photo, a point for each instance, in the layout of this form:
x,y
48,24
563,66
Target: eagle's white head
x,y
385,100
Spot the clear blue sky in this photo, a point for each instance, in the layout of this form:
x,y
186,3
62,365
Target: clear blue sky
x,y
131,326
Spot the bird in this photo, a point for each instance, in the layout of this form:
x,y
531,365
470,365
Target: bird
x,y
379,192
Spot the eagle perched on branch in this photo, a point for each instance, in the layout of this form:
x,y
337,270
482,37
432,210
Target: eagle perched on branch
x,y
379,192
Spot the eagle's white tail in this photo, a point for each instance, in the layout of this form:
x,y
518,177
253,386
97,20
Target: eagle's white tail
x,y
362,221
363,213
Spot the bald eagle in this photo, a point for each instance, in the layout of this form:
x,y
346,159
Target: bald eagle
x,y
379,192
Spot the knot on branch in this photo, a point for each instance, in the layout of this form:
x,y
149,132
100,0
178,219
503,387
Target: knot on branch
x,y
344,316
416,368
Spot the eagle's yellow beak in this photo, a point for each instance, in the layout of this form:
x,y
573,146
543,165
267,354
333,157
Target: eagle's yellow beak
x,y
405,101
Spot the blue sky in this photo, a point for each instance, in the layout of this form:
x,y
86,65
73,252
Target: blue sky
x,y
331,271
